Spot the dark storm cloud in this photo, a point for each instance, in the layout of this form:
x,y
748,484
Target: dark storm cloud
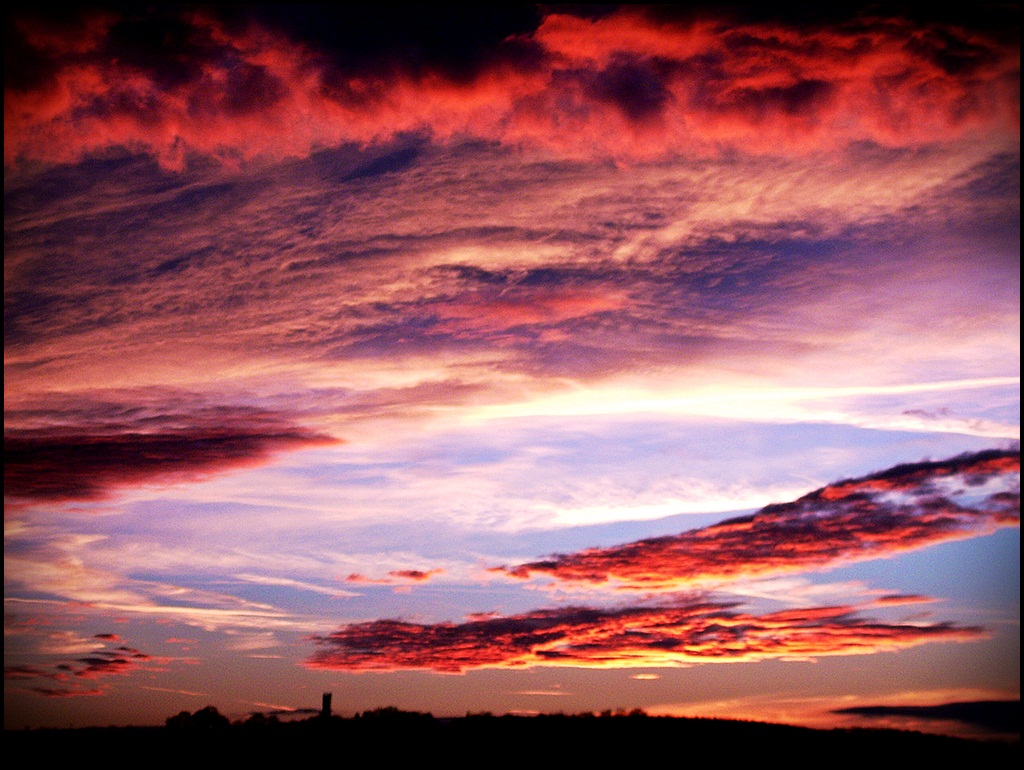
x,y
634,85
904,508
457,40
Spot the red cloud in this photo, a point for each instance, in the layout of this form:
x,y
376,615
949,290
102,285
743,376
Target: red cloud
x,y
120,661
501,312
26,672
626,85
415,574
110,663
583,637
901,509
52,692
897,600
87,452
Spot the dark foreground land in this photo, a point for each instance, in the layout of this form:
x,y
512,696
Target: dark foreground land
x,y
389,736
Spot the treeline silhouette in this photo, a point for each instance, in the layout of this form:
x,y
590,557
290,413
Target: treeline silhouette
x,y
391,734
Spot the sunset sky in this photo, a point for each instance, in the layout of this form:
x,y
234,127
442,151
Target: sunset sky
x,y
547,358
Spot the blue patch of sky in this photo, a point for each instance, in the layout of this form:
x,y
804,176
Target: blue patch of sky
x,y
982,573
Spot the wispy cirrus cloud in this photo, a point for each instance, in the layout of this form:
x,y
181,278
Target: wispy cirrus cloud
x,y
62,570
679,634
298,585
904,508
543,276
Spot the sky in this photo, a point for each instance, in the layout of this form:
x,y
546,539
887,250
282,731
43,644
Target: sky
x,y
539,359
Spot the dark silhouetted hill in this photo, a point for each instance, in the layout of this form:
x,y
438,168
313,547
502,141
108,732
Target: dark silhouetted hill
x,y
390,735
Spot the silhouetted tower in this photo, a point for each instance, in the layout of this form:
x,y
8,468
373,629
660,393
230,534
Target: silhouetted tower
x,y
325,707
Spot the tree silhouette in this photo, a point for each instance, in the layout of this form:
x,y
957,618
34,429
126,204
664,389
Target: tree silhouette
x,y
205,720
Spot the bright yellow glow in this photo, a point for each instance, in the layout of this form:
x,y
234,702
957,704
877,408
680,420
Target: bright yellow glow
x,y
762,404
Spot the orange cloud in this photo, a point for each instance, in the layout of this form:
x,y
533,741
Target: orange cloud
x,y
902,509
637,636
627,85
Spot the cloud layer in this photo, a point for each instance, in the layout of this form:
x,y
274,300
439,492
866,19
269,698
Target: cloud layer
x,y
71,678
901,509
87,449
634,83
642,637
997,716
